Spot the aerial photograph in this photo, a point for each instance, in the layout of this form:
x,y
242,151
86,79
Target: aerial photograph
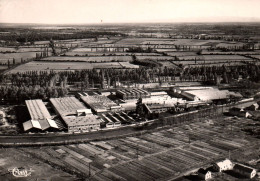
x,y
129,90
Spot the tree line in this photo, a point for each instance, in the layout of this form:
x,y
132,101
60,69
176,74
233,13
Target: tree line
x,y
10,93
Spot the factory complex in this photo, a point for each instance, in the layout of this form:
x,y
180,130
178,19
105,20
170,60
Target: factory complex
x,y
91,112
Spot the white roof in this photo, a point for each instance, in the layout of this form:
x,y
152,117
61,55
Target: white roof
x,y
225,162
209,94
67,105
52,123
31,124
36,124
158,93
81,120
87,111
37,109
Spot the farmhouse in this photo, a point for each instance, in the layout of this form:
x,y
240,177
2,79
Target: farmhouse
x,y
204,174
75,115
223,165
101,104
40,117
244,170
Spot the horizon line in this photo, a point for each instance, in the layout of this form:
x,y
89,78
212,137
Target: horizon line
x,y
156,22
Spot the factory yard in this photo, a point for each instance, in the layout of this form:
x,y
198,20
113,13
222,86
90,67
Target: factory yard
x,y
164,153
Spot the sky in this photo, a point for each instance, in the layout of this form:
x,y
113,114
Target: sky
x,y
127,11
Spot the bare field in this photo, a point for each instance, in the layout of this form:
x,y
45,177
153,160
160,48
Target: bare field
x,y
134,41
68,66
256,56
17,56
89,59
49,66
215,57
73,53
183,53
22,49
158,58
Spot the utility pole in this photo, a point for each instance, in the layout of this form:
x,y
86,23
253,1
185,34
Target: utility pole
x,y
89,174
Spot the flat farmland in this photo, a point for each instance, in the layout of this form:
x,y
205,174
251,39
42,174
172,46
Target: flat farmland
x,y
214,57
22,49
3,67
49,66
89,59
128,65
17,56
73,53
218,52
230,44
195,42
134,41
208,63
161,154
68,66
157,58
256,56
108,65
183,53
168,64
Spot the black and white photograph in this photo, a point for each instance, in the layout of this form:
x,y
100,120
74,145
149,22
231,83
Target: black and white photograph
x,y
129,90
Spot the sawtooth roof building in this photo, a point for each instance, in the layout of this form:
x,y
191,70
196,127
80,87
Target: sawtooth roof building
x,y
132,93
41,119
101,104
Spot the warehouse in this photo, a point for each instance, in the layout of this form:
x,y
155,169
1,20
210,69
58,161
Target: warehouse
x,y
75,115
41,119
101,104
214,95
132,93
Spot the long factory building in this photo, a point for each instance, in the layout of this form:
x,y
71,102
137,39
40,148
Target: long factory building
x,y
41,120
101,104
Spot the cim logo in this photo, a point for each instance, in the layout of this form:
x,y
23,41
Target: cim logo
x,y
21,172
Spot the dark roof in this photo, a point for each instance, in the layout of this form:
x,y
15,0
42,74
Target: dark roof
x,y
202,171
235,109
243,168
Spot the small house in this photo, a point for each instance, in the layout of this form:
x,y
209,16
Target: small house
x,y
245,171
204,174
223,165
